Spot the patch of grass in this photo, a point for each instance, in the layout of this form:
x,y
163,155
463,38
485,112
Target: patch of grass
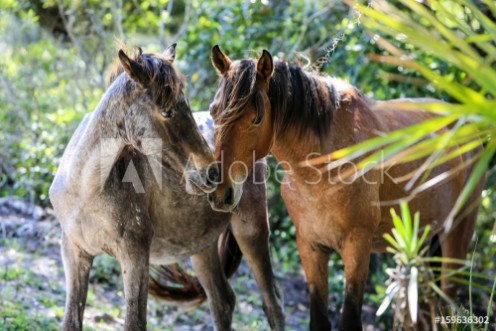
x,y
107,272
13,318
11,243
22,275
28,301
250,322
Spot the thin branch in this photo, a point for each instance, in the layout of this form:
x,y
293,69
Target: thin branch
x,y
101,43
161,34
186,21
117,14
11,96
305,27
68,27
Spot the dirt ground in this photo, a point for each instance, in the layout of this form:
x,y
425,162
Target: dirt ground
x,y
32,291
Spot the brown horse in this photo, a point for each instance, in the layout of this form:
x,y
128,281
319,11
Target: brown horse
x,y
263,107
128,186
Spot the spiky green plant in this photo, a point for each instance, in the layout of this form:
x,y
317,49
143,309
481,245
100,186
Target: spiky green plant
x,y
413,282
411,271
461,35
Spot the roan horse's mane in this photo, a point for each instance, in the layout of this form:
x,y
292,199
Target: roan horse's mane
x,y
300,100
158,72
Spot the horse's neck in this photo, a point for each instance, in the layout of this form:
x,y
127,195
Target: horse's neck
x,y
290,149
352,122
92,152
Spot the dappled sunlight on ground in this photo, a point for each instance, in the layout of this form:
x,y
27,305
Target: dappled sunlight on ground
x,y
32,286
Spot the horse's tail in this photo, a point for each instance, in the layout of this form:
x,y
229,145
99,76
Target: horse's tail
x,y
229,253
173,283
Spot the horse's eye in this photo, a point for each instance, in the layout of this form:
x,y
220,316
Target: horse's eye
x,y
168,113
258,119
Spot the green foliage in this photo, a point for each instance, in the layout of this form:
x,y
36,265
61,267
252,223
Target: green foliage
x,y
464,49
413,282
243,29
106,271
42,102
405,241
40,105
412,276
17,283
15,319
462,37
53,71
486,232
462,319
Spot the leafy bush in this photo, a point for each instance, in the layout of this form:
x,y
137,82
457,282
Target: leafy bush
x,y
56,53
46,92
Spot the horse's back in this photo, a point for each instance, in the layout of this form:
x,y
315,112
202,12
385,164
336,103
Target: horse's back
x,y
392,117
436,202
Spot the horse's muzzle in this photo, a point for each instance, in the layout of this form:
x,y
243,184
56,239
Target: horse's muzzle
x,y
201,182
225,199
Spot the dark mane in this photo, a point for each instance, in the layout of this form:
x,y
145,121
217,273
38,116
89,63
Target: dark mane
x,y
164,82
300,100
236,91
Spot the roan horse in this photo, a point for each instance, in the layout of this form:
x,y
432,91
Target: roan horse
x,y
265,106
143,125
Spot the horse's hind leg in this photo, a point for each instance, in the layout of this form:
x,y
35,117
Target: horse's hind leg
x,y
356,258
77,265
455,245
220,295
252,235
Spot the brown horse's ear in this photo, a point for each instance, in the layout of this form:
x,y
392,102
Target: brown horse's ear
x,y
132,68
220,61
265,66
170,52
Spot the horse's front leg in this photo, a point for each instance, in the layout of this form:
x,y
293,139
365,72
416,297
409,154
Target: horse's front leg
x,y
355,252
77,265
315,261
251,230
220,296
134,256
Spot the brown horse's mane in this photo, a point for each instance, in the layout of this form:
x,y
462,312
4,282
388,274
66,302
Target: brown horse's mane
x,y
159,71
300,100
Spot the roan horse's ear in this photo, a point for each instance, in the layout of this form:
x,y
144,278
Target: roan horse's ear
x,y
220,61
170,52
133,69
265,66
